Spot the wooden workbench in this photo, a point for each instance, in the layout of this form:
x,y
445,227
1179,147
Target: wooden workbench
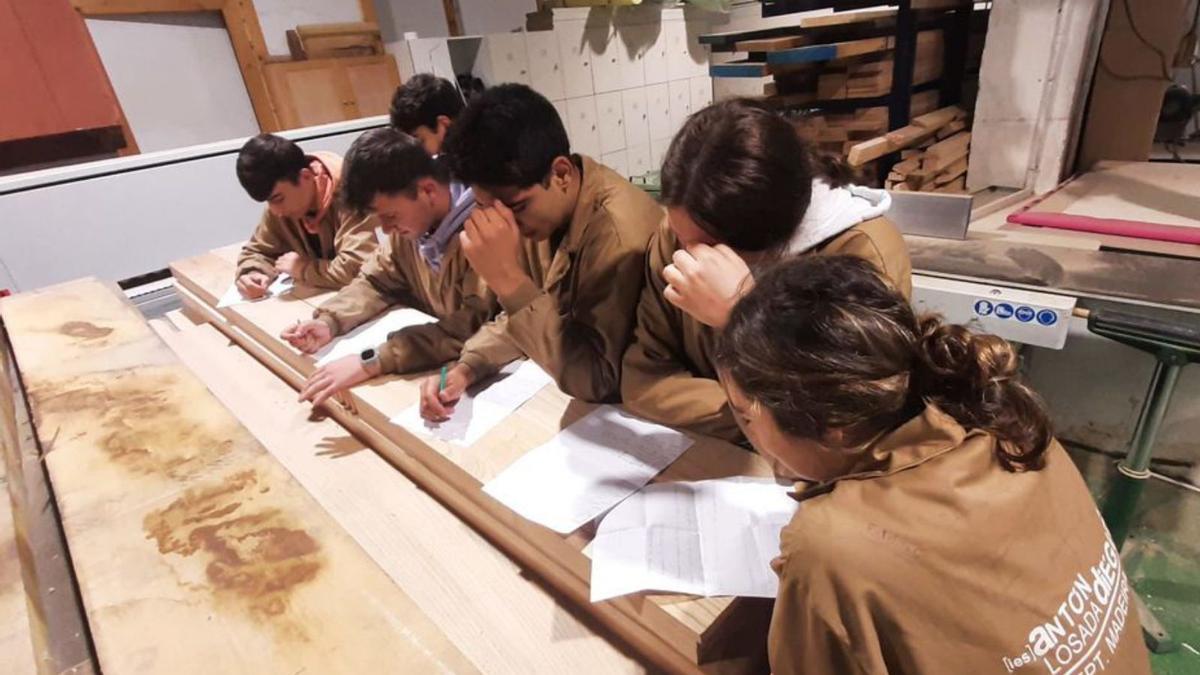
x,y
262,543
673,632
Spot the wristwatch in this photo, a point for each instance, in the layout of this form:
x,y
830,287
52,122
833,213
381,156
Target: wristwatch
x,y
369,358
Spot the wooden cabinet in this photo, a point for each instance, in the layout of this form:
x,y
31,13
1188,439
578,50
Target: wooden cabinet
x,y
320,91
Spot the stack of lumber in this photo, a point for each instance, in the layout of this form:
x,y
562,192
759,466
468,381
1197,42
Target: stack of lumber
x,y
934,151
836,133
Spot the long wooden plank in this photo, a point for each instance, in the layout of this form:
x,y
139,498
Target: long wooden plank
x,y
829,52
194,549
57,625
694,628
16,635
503,621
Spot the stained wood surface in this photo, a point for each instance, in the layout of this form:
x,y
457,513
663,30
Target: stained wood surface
x,y
694,627
502,621
16,637
195,550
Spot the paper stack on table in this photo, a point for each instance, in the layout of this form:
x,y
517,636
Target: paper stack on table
x,y
711,537
586,469
282,284
481,408
371,334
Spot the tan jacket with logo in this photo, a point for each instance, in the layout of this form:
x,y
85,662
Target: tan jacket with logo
x,y
669,375
398,275
342,244
576,316
931,558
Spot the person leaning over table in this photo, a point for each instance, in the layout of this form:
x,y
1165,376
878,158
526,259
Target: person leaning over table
x,y
424,107
740,189
560,238
304,231
944,530
421,265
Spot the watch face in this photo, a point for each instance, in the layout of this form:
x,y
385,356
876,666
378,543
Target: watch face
x,y
367,355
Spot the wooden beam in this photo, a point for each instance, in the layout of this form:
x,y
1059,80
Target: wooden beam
x,y
106,7
368,11
453,23
246,36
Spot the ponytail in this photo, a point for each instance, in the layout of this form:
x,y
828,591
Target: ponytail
x,y
824,343
974,378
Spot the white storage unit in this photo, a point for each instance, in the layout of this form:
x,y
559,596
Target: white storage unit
x,y
623,80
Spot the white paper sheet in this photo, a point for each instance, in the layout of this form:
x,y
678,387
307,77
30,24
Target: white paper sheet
x,y
481,408
712,537
282,284
371,334
586,469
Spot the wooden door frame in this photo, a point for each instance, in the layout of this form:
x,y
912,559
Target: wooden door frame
x,y
245,34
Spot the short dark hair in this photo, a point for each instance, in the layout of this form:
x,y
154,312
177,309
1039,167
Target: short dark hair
x,y
388,161
265,160
507,136
421,100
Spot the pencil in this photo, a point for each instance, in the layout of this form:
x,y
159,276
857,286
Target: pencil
x,y
442,382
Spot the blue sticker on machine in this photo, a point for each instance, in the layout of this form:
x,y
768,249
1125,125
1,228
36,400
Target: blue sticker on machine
x,y
1047,317
1004,310
983,308
1025,314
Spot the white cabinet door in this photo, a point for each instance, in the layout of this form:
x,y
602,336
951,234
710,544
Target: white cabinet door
x,y
637,118
630,44
679,60
617,162
654,62
582,127
576,59
606,60
545,71
638,158
658,107
702,92
432,55
697,53
509,60
681,103
610,116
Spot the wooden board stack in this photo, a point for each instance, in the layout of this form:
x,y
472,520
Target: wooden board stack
x,y
933,152
838,132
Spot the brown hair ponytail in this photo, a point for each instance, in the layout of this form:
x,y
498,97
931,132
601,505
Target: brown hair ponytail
x,y
824,343
974,378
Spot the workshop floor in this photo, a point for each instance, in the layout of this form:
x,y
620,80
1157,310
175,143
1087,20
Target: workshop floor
x,y
1162,559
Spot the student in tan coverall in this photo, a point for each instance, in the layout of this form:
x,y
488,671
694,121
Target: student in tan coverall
x,y
740,189
945,531
560,239
421,265
424,107
304,232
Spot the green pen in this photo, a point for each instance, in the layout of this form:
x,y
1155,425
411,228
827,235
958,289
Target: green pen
x,y
442,382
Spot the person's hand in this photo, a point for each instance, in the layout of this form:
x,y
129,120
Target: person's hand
x,y
335,377
492,243
253,285
291,263
309,336
437,406
706,282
